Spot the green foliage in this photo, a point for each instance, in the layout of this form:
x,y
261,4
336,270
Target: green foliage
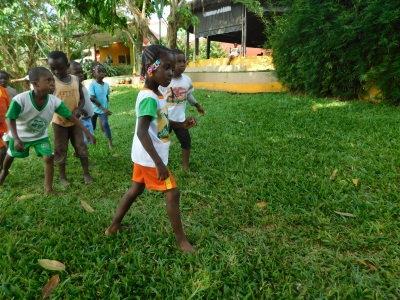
x,y
124,70
247,149
110,69
339,48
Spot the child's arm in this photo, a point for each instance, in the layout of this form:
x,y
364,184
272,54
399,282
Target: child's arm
x,y
78,111
144,137
187,124
97,103
18,144
78,123
193,102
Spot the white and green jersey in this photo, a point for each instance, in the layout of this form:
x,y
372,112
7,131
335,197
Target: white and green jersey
x,y
31,121
149,104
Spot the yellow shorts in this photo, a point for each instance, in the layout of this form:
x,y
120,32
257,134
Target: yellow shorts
x,y
148,176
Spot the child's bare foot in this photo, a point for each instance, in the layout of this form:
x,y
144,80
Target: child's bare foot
x,y
51,192
64,181
3,176
110,146
88,179
186,247
113,230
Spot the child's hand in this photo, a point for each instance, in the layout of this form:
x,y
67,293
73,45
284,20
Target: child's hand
x,y
84,113
77,113
19,145
200,110
190,122
91,138
106,111
162,171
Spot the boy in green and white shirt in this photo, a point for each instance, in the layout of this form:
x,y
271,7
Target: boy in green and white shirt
x,y
29,115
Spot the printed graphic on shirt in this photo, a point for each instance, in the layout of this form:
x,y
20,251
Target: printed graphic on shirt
x,y
176,96
37,126
162,124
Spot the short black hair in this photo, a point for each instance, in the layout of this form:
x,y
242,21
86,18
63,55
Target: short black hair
x,y
177,51
35,73
73,64
58,55
5,73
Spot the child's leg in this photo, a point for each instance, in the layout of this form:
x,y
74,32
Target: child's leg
x,y
81,152
61,137
107,130
6,166
174,215
183,136
49,175
130,196
3,152
94,121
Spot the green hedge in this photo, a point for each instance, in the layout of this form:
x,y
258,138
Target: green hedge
x,y
338,48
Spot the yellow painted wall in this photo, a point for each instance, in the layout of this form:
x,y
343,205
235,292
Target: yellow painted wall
x,y
115,50
252,63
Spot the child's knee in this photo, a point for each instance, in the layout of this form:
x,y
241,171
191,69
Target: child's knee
x,y
48,159
173,195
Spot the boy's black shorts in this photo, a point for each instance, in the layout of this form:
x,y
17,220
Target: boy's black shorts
x,y
184,137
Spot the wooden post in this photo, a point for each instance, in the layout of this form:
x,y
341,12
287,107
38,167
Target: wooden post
x,y
94,49
187,45
196,48
208,47
244,30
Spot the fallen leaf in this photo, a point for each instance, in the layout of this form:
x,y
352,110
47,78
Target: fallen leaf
x,y
366,263
191,110
355,181
87,207
320,205
50,286
51,264
124,112
333,176
115,155
28,196
241,122
208,96
344,214
261,204
314,108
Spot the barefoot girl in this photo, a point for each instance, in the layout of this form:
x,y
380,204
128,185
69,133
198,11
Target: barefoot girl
x,y
99,91
151,143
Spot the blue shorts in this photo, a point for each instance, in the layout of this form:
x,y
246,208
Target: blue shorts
x,y
87,122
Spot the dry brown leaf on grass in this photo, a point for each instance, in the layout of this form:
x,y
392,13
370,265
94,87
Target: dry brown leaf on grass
x,y
344,214
241,122
191,110
355,181
333,176
53,265
115,155
50,286
87,207
261,204
208,96
366,263
28,196
314,108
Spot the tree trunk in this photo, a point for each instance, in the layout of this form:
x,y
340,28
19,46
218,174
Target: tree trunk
x,y
171,34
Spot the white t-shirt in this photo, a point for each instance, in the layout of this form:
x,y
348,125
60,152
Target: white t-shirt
x,y
177,94
31,121
149,104
88,104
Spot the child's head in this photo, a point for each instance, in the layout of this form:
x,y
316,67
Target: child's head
x,y
158,63
180,64
98,71
58,63
42,80
76,69
235,45
4,78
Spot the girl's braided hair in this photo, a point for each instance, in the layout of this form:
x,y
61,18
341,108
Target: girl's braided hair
x,y
150,55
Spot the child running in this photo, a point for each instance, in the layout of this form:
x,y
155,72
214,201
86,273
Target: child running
x,y
4,104
179,90
29,115
69,90
151,144
99,91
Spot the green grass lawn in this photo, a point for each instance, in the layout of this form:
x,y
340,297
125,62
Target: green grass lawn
x,y
259,204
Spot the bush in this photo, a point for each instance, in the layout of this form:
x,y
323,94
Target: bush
x,y
124,70
339,48
88,63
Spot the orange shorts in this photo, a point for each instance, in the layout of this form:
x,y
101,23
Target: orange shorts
x,y
148,176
